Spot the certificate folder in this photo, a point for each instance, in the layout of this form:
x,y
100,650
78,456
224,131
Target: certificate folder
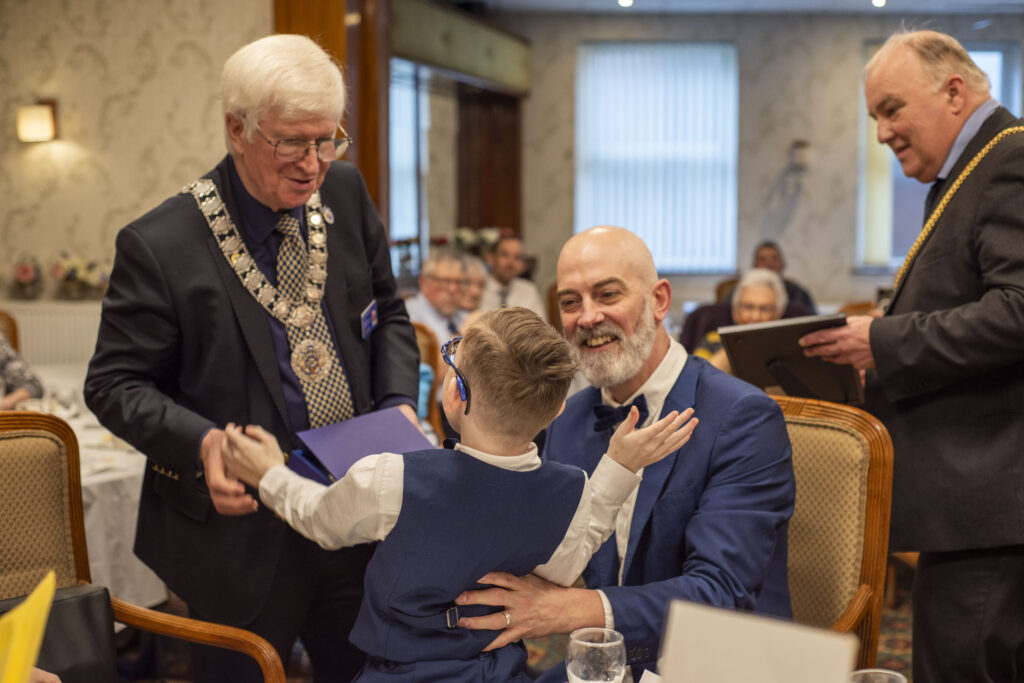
x,y
768,355
332,449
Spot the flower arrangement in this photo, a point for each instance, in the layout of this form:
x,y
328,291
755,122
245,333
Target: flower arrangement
x,y
78,278
476,242
28,278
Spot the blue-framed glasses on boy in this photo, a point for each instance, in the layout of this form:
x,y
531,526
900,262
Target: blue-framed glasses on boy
x,y
448,354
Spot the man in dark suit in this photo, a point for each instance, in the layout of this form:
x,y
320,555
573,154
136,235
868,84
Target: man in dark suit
x,y
709,522
945,364
768,254
262,294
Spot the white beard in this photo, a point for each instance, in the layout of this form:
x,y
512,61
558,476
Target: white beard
x,y
612,367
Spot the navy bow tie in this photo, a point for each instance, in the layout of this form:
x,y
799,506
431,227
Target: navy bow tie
x,y
608,417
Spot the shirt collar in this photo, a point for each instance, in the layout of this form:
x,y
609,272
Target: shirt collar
x,y
658,385
529,460
971,127
258,220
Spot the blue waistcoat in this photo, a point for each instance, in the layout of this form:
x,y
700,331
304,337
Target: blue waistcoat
x,y
460,519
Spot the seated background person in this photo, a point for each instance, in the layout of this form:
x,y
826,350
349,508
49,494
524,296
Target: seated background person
x,y
769,255
709,523
17,381
437,305
476,282
759,297
504,286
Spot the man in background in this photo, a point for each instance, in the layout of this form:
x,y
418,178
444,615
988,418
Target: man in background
x,y
768,255
945,364
438,303
504,286
709,522
261,294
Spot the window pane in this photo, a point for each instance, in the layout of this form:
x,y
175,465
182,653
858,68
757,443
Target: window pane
x,y
656,148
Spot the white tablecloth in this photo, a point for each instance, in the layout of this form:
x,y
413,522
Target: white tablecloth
x,y
111,484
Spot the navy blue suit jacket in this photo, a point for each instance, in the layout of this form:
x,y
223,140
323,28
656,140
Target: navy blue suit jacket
x,y
710,520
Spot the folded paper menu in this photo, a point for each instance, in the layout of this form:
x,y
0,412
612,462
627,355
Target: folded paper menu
x,y
22,629
715,645
332,449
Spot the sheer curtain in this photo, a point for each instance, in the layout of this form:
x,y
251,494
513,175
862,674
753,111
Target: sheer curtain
x,y
656,148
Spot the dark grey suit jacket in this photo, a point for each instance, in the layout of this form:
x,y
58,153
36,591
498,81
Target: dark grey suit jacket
x,y
949,355
183,347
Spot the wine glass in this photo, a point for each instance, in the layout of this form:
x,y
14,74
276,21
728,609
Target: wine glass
x,y
877,676
596,654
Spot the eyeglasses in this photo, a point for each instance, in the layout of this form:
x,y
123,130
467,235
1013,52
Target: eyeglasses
x,y
754,308
448,353
293,149
449,281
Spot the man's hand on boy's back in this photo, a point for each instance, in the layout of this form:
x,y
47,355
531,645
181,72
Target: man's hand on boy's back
x,y
249,455
636,448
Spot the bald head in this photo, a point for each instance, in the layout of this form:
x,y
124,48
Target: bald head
x,y
609,243
612,305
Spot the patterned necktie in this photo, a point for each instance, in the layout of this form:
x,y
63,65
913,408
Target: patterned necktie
x,y
608,417
328,397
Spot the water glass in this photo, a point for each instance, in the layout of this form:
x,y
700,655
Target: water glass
x,y
596,654
877,676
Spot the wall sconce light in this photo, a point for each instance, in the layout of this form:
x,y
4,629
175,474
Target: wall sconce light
x,y
38,122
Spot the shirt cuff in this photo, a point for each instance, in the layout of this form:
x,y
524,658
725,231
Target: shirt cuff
x,y
392,400
613,481
609,618
274,483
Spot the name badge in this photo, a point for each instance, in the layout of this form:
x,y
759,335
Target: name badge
x,y
369,319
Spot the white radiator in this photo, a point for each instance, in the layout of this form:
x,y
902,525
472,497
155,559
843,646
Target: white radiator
x,y
51,332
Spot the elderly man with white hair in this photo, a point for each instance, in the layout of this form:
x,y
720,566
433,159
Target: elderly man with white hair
x,y
260,294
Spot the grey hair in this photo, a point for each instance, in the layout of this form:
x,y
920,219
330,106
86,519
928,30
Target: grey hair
x,y
438,256
283,75
941,56
474,264
764,278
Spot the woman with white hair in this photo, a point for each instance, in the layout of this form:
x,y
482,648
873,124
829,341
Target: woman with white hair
x,y
759,296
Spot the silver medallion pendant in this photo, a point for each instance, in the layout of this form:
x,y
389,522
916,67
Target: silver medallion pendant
x,y
311,361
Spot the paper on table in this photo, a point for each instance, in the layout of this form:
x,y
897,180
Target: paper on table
x,y
715,645
338,446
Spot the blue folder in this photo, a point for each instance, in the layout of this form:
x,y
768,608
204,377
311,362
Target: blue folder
x,y
331,450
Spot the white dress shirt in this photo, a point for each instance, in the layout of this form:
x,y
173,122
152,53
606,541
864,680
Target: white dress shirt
x,y
655,391
421,311
520,292
364,505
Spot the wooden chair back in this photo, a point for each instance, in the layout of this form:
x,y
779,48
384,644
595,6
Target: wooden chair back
x,y
42,528
839,533
430,353
9,329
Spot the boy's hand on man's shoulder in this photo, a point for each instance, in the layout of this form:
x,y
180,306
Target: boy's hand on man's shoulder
x,y
636,448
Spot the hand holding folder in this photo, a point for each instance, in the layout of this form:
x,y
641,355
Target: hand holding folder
x,y
331,450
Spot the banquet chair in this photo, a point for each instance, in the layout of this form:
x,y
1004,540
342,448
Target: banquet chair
x,y
857,307
430,353
42,528
839,533
9,329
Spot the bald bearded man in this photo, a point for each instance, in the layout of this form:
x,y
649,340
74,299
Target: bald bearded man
x,y
709,522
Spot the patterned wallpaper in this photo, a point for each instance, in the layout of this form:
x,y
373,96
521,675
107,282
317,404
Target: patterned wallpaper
x,y
799,79
136,83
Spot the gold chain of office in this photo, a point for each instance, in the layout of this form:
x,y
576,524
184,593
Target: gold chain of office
x,y
298,313
946,197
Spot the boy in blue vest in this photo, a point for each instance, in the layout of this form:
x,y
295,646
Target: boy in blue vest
x,y
445,517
